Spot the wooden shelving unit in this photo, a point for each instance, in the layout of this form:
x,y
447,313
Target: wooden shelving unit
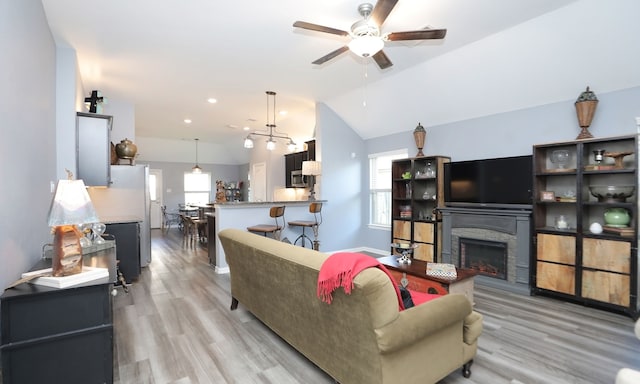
x,y
417,190
571,261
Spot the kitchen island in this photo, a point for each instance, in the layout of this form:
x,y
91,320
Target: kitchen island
x,y
241,215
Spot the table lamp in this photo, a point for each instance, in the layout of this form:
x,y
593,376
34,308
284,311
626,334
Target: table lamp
x,y
312,169
70,206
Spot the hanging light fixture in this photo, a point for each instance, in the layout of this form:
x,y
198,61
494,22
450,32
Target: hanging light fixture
x,y
366,34
272,133
196,168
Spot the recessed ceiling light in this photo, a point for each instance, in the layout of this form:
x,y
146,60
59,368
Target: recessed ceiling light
x,y
245,128
282,113
188,121
212,100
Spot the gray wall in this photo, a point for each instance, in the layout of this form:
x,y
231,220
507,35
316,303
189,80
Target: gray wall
x,y
506,134
28,138
342,182
173,179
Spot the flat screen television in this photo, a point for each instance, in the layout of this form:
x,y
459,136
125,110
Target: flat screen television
x,y
504,182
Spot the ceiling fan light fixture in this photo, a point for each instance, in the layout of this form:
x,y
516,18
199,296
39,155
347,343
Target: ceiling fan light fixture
x,y
365,46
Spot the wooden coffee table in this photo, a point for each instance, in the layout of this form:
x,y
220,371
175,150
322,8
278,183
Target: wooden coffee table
x,y
414,276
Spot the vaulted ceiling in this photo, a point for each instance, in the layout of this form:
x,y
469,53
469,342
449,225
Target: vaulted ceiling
x,y
168,58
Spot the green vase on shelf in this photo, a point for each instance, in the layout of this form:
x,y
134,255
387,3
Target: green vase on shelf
x,y
616,217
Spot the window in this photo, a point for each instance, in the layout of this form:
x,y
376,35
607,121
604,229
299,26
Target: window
x,y
380,186
197,188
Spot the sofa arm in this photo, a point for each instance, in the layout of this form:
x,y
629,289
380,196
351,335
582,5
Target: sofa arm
x,y
418,322
472,327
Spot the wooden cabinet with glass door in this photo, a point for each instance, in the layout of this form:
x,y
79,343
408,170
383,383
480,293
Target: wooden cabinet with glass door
x,y
585,213
417,190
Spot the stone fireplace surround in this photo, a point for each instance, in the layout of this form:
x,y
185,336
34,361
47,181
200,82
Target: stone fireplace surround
x,y
512,227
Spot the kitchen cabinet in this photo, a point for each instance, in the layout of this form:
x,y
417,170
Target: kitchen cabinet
x,y
52,335
580,255
293,161
93,149
417,189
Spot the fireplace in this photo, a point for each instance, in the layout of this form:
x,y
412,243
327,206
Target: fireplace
x,y
495,242
488,258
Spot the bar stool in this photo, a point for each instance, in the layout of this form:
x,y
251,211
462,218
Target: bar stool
x,y
277,213
316,209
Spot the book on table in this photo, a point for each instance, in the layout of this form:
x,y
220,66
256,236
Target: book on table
x,y
43,277
442,270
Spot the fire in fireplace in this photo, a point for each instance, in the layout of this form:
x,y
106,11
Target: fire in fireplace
x,y
486,257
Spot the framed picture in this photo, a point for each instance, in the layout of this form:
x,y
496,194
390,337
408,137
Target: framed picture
x,y
547,196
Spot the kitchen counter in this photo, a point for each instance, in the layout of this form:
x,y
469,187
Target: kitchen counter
x,y
120,219
244,204
243,214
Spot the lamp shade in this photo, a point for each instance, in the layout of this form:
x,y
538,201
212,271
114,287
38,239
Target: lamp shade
x,y
71,204
313,168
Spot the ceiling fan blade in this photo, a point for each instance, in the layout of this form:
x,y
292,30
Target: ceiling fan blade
x,y
331,55
382,60
421,34
319,28
382,9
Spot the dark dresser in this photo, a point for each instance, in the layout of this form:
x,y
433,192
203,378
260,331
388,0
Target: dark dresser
x,y
52,335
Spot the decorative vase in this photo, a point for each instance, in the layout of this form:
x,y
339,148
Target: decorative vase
x,y
419,134
616,217
585,109
126,150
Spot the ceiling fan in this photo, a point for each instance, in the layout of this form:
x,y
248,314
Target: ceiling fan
x,y
365,34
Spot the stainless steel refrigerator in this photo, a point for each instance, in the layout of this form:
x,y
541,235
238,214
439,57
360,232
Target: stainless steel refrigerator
x,y
127,199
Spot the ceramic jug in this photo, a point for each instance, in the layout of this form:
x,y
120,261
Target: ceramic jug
x,y
126,149
616,217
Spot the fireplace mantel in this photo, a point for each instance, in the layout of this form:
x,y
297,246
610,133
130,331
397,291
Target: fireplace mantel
x,y
502,222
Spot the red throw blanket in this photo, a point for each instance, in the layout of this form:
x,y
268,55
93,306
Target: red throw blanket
x,y
341,268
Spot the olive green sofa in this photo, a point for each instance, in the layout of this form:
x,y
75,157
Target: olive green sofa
x,y
358,338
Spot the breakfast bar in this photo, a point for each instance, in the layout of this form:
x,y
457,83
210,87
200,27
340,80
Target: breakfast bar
x,y
241,215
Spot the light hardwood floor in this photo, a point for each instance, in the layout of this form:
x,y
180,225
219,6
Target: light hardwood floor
x,y
175,326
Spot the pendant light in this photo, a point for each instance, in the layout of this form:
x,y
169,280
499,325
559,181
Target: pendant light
x,y
271,133
196,168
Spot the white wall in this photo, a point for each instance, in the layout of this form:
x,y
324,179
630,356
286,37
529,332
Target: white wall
x,y
546,60
124,122
28,134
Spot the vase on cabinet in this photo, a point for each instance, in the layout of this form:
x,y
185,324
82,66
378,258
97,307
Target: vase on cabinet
x,y
126,149
585,109
419,135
